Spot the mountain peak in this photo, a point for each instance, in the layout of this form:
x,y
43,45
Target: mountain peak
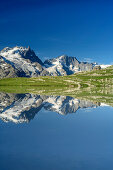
x,y
62,56
19,51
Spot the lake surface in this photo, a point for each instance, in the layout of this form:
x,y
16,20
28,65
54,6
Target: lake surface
x,y
54,133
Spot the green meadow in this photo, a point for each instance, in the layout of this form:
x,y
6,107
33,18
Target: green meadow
x,y
96,85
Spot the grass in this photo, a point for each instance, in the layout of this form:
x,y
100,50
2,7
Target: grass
x,y
96,86
99,78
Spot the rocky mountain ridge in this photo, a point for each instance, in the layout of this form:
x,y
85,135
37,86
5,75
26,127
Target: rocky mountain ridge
x,y
23,62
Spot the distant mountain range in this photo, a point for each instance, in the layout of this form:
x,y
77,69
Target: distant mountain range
x,y
23,62
21,108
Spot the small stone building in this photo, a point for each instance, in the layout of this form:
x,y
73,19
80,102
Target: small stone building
x,y
97,68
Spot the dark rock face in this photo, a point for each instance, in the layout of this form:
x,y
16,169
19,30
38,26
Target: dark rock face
x,y
6,70
83,66
69,60
29,54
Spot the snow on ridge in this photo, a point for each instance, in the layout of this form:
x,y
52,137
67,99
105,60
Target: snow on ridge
x,y
55,67
9,51
104,66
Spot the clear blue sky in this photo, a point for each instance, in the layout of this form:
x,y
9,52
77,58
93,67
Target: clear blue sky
x,y
82,28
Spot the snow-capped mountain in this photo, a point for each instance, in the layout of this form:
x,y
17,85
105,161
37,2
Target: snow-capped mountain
x,y
65,65
20,108
23,62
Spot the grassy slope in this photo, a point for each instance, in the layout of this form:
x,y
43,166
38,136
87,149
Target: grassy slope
x,y
100,78
95,85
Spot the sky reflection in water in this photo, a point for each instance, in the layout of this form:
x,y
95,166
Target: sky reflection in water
x,y
82,140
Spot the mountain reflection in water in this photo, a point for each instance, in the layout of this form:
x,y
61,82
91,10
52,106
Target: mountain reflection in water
x,y
20,108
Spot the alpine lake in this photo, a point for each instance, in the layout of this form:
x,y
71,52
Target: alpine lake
x,y
56,129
